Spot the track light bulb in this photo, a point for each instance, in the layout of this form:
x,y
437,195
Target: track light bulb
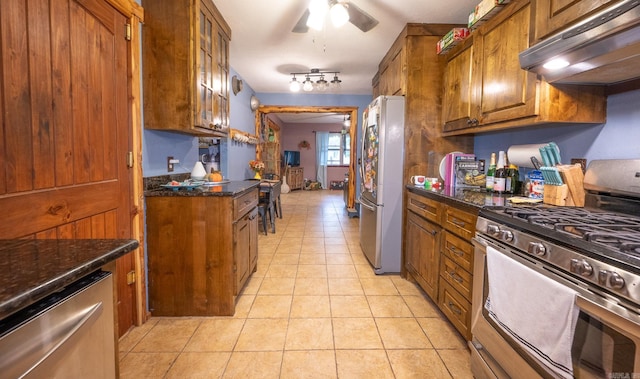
x,y
294,85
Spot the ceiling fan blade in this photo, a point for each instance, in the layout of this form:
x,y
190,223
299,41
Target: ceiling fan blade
x,y
361,19
301,25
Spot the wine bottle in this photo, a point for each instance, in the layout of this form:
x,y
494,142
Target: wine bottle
x,y
500,179
515,179
508,173
491,173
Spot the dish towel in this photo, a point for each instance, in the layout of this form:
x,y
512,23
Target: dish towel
x,y
539,313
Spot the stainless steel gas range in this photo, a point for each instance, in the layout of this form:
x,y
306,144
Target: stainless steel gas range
x,y
557,289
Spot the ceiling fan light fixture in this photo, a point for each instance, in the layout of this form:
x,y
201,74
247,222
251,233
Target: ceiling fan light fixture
x,y
319,7
315,21
339,15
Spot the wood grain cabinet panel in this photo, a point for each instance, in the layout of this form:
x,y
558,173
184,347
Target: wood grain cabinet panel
x,y
423,252
551,16
185,53
295,178
501,94
201,251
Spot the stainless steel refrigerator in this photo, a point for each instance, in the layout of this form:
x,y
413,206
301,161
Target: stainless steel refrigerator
x,y
381,168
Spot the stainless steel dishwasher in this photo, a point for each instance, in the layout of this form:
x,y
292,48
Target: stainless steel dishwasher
x,y
69,334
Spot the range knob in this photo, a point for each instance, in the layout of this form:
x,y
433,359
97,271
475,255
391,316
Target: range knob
x,y
506,235
616,281
493,230
581,267
536,248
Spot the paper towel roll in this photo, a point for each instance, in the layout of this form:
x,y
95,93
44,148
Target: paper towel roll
x,y
520,155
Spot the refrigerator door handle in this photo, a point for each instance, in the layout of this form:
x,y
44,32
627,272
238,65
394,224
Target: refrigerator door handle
x,y
369,207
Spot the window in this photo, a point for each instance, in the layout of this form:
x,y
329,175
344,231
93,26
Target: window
x,y
339,150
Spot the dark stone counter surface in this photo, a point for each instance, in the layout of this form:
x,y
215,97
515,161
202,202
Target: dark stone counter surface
x,y
153,187
33,269
463,197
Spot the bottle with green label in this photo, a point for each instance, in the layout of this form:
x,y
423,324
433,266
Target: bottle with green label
x,y
491,173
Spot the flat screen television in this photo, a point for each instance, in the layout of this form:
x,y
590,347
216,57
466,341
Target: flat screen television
x,y
292,158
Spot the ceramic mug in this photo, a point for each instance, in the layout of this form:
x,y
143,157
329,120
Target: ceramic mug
x,y
418,180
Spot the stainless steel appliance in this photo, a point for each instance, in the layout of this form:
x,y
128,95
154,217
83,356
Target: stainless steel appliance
x,y
604,48
69,334
381,170
591,255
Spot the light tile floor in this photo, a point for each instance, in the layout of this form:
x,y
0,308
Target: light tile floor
x,y
314,309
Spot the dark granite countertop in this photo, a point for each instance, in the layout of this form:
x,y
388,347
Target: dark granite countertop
x,y
463,197
33,269
153,188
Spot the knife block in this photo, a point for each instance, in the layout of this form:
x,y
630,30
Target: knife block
x,y
557,195
571,193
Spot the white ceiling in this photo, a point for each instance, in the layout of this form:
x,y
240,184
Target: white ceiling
x,y
264,51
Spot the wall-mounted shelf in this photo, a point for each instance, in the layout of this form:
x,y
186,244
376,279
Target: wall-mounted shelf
x,y
243,137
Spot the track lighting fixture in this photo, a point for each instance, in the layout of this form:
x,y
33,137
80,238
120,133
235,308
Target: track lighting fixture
x,y
321,84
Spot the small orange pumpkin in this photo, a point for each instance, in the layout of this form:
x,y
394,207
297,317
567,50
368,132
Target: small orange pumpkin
x,y
215,176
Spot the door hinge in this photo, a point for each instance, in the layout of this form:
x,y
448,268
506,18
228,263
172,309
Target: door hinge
x,y
127,32
131,277
130,159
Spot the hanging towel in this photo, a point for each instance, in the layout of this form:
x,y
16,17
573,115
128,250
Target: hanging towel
x,y
538,312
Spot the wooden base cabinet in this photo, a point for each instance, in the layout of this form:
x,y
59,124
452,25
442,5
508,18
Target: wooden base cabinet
x,y
201,251
456,267
422,242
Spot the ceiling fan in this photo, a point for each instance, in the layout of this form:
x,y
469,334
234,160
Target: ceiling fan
x,y
361,19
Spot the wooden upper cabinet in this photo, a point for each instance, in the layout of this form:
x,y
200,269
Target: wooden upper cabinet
x,y
457,94
506,91
553,15
501,94
392,78
185,52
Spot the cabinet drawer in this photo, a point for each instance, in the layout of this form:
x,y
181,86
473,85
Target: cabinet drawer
x,y
458,250
244,203
460,222
458,278
425,207
456,308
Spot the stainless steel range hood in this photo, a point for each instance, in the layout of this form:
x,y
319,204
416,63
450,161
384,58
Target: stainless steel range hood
x,y
603,49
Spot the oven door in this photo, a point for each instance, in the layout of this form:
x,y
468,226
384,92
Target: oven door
x,y
606,341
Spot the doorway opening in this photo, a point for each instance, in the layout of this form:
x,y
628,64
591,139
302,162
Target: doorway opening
x,y
350,112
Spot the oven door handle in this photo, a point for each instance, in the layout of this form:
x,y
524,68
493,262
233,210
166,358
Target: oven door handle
x,y
614,314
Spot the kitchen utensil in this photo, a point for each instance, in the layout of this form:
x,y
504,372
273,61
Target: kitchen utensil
x,y
546,160
535,162
551,176
554,153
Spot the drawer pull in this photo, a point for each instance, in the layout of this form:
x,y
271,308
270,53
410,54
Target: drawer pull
x,y
433,232
456,277
455,309
458,222
456,251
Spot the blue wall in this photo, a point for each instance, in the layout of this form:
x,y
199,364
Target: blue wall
x,y
618,138
157,145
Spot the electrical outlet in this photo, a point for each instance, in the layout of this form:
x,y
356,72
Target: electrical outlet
x,y
582,161
169,164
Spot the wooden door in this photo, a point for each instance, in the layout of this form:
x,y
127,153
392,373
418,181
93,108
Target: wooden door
x,y
66,127
458,99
